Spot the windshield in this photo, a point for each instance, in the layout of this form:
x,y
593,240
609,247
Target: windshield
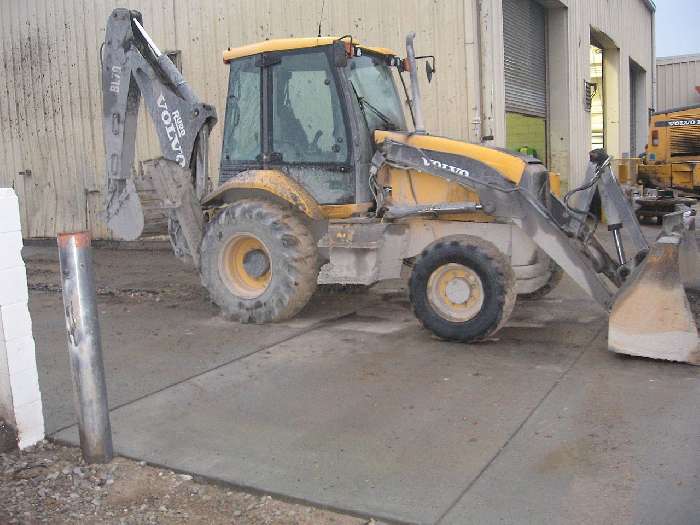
x,y
374,85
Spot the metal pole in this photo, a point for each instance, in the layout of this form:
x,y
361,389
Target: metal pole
x,y
84,346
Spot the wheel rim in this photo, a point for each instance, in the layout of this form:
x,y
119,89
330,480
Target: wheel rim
x,y
455,292
244,265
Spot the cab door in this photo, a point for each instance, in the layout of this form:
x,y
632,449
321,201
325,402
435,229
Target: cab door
x,y
285,111
308,125
242,147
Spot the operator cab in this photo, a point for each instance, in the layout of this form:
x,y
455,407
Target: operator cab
x,y
309,107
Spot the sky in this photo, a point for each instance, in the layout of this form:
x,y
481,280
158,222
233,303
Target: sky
x,y
677,30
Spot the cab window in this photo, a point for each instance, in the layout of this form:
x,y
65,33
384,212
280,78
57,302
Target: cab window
x,y
307,118
242,136
374,86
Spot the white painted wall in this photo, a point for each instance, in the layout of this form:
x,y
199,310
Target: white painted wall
x,y
628,30
20,398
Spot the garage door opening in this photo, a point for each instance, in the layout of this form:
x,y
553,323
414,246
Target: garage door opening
x,y
605,78
638,111
525,61
596,97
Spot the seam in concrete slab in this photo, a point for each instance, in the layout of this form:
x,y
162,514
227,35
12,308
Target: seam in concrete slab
x,y
584,348
239,486
303,331
251,489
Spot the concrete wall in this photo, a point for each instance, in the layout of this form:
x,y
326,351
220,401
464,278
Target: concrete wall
x,y
20,399
51,108
677,78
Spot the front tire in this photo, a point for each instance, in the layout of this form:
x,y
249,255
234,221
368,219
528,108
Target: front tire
x,y
259,262
462,289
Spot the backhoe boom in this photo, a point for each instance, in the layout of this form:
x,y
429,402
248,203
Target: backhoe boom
x,y
132,65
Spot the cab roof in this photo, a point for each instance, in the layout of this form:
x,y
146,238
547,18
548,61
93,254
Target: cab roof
x,y
287,44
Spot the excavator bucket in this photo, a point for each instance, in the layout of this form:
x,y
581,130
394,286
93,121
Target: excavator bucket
x,y
651,316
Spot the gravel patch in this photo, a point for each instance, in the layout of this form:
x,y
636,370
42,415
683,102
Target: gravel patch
x,y
49,483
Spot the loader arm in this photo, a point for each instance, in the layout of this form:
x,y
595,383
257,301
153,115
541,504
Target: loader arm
x,y
529,204
626,284
559,228
132,66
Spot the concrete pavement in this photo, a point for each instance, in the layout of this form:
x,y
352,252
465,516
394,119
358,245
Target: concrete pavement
x,y
616,441
355,407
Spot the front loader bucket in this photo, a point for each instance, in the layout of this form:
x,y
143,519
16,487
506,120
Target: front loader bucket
x,y
651,316
689,257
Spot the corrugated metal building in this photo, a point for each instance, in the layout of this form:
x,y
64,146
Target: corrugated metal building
x,y
678,81
510,72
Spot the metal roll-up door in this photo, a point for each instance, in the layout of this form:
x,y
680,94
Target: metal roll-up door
x,y
525,57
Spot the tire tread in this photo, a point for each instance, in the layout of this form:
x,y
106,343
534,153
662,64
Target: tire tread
x,y
505,284
295,279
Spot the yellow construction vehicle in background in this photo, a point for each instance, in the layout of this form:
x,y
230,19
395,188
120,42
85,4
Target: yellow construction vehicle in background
x,y
323,180
670,167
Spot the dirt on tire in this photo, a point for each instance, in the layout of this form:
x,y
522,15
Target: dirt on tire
x,y
292,255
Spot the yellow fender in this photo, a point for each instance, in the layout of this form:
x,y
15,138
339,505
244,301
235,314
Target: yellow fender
x,y
254,182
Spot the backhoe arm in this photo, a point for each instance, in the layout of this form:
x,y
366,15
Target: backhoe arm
x,y
132,66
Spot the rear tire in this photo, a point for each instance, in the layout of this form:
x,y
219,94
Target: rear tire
x,y
259,262
555,277
462,289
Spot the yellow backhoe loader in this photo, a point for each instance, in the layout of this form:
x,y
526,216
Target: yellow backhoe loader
x,y
322,181
670,167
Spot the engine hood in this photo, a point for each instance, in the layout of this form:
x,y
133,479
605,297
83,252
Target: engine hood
x,y
510,165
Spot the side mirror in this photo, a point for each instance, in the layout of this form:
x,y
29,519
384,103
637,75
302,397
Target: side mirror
x,y
429,71
429,66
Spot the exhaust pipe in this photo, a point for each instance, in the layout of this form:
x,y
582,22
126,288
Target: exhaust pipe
x,y
416,106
